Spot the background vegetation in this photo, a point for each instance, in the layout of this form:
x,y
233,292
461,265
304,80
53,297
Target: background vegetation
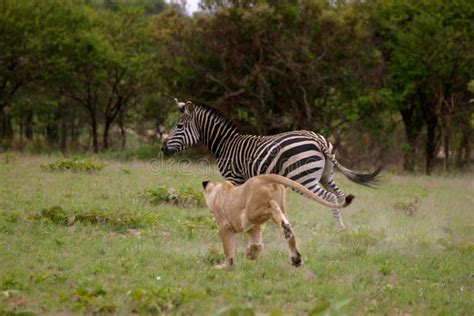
x,y
386,80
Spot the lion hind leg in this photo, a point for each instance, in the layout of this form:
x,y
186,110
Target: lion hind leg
x,y
281,220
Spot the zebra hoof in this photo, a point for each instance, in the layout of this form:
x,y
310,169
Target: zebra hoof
x,y
341,229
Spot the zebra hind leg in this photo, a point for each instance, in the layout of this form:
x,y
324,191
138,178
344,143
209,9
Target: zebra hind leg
x,y
334,195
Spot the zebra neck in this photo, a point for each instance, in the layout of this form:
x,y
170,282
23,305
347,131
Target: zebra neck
x,y
216,131
217,140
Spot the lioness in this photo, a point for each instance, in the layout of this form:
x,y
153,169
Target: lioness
x,y
246,207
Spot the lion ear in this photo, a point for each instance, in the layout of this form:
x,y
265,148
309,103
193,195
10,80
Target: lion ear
x,y
205,183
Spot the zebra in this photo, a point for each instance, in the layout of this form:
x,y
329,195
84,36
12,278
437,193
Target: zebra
x,y
303,156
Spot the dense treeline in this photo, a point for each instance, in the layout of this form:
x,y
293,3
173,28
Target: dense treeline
x,y
386,79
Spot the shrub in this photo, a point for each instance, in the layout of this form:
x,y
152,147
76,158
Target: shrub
x,y
160,300
200,223
118,219
183,196
9,157
409,208
74,164
358,242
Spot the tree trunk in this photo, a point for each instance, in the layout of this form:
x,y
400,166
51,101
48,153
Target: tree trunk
x,y
463,156
105,136
6,128
29,125
409,161
95,139
21,135
63,131
413,124
123,133
446,148
52,129
431,144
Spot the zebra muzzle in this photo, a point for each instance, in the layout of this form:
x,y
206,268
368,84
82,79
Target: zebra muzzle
x,y
165,149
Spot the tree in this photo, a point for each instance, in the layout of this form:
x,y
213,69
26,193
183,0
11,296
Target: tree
x,y
429,53
23,51
291,64
127,32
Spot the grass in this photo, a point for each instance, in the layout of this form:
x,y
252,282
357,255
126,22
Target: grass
x,y
80,242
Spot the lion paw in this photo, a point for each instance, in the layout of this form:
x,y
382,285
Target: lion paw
x,y
253,251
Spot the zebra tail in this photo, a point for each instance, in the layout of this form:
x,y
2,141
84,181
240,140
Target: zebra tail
x,y
368,179
275,178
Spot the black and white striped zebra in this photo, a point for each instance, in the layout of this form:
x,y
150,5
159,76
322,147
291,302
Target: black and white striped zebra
x,y
303,156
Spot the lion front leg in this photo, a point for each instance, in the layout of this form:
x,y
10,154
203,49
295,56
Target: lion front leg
x,y
228,242
255,246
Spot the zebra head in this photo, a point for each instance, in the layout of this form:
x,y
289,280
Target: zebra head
x,y
184,132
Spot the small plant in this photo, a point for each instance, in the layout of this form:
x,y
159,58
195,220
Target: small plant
x,y
91,299
74,164
325,307
214,256
9,157
56,214
183,196
409,208
160,300
239,310
118,219
192,224
11,216
361,240
9,282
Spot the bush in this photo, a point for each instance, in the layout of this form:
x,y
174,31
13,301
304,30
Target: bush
x,y
74,164
118,219
358,242
160,300
183,196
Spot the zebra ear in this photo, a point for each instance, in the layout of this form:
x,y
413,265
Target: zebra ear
x,y
181,105
189,107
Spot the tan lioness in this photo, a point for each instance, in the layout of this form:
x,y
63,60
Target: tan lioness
x,y
246,207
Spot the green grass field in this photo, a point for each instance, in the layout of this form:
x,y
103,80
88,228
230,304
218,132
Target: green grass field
x,y
92,242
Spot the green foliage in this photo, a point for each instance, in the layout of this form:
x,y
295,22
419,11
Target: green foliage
x,y
182,196
330,308
408,208
237,310
71,72
9,157
162,299
11,216
191,225
74,164
360,241
144,152
85,297
117,219
9,282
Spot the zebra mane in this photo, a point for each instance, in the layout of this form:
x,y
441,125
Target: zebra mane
x,y
219,116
